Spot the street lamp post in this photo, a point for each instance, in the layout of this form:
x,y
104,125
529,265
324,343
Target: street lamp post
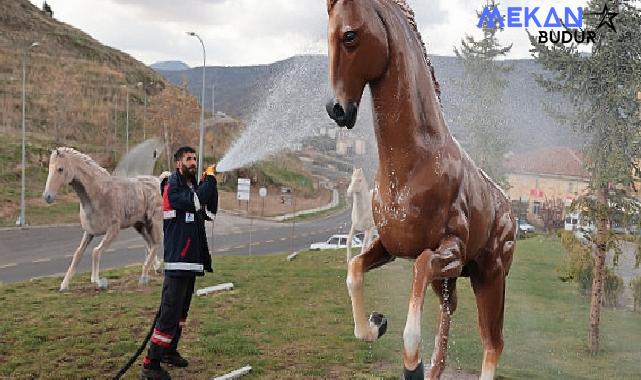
x,y
22,222
127,123
202,107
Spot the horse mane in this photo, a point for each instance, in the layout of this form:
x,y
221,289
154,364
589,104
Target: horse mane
x,y
411,20
82,157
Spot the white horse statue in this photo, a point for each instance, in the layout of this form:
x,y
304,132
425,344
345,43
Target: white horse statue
x,y
107,205
362,219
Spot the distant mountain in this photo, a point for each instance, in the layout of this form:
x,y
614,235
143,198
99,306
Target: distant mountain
x,y
170,66
241,90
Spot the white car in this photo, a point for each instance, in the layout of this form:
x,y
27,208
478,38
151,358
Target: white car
x,y
335,242
525,227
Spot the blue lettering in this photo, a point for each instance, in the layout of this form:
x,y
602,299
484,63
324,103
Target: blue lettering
x,y
514,17
491,16
578,18
531,15
551,15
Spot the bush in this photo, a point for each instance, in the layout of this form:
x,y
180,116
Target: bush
x,y
578,263
636,293
579,267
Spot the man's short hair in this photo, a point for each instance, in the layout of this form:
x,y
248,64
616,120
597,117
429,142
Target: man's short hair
x,y
180,153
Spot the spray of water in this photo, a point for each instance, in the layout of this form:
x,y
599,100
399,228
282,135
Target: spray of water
x,y
292,111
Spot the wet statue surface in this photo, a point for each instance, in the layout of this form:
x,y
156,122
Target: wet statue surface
x,y
430,203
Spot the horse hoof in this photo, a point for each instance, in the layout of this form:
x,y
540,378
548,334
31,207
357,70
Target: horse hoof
x,y
144,280
416,374
379,320
102,283
64,289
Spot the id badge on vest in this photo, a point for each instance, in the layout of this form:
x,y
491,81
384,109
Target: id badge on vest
x,y
189,217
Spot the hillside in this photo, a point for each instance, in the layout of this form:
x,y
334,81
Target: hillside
x,y
76,96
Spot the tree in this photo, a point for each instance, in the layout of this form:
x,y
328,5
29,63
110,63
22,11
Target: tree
x,y
487,133
601,88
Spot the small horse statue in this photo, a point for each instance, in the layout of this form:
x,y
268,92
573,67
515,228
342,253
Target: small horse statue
x,y
431,203
107,205
362,219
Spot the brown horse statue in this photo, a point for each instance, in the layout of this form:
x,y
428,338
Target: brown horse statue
x,y
431,203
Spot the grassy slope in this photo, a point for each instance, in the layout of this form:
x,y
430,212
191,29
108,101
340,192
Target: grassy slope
x,y
293,320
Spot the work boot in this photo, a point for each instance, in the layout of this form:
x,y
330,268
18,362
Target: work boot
x,y
173,358
154,374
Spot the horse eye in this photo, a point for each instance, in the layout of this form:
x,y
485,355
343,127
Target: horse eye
x,y
60,170
350,38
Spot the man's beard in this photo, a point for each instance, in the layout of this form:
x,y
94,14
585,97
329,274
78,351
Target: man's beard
x,y
189,172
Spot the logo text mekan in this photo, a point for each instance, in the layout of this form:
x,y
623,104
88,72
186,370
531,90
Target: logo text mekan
x,y
524,17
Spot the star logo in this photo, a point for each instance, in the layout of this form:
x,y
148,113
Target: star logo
x,y
606,17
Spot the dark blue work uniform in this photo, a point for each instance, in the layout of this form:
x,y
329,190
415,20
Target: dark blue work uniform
x,y
186,206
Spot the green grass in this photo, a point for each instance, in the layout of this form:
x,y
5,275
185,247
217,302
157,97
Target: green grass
x,y
292,320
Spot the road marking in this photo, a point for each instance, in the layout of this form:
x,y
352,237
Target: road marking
x,y
134,265
10,265
111,250
283,239
255,244
44,260
239,247
221,250
47,276
269,241
137,246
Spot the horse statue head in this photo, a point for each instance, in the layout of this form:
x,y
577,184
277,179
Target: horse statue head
x,y
358,52
358,183
61,172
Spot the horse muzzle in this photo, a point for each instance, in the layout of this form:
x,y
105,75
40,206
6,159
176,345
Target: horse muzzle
x,y
48,197
342,117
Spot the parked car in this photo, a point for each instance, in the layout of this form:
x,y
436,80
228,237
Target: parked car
x,y
525,227
335,242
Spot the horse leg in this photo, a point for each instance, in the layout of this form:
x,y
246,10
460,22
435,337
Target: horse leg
x,y
413,366
489,289
144,278
157,236
110,236
446,292
152,237
349,243
374,257
366,240
443,263
86,239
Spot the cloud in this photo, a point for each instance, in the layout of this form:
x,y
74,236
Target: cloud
x,y
244,32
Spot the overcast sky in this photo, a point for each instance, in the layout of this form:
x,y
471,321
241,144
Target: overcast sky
x,y
245,32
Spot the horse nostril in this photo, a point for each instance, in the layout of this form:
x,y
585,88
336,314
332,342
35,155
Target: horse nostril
x,y
338,110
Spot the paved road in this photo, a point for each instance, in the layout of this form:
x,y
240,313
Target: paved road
x,y
36,252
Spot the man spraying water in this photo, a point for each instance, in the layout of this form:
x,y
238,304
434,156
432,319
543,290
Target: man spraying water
x,y
186,206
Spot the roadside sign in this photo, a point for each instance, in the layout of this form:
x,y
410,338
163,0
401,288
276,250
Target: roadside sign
x,y
262,192
244,186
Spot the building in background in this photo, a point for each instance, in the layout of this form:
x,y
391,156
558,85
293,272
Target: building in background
x,y
545,174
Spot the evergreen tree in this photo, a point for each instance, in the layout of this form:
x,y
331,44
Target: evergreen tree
x,y
483,82
602,88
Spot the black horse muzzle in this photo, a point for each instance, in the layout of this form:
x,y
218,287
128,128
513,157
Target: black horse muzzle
x,y
342,117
